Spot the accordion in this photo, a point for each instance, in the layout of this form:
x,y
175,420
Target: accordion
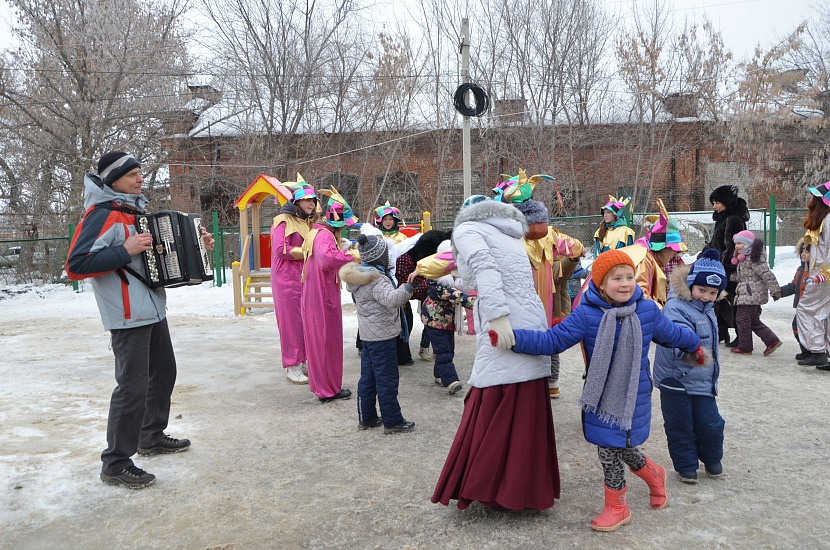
x,y
178,256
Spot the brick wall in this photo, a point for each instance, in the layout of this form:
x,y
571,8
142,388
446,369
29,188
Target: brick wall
x,y
680,162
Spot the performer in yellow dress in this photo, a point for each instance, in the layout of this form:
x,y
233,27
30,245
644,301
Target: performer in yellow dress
x,y
388,219
614,232
650,253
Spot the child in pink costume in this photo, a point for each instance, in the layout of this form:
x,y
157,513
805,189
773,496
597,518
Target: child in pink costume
x,y
321,311
288,232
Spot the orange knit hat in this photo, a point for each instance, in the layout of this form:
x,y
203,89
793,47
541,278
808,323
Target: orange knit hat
x,y
605,262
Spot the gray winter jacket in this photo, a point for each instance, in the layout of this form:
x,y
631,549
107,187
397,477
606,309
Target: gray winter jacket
x,y
97,252
378,302
672,371
492,259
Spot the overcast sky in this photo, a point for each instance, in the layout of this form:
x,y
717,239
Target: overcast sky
x,y
743,23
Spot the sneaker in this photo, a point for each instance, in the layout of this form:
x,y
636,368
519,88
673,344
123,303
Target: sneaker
x,y
304,368
772,347
403,427
454,387
425,355
815,360
742,351
406,363
376,423
131,477
688,477
438,381
554,393
342,394
166,446
714,470
295,375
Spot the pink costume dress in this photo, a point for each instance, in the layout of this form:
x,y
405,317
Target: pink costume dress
x,y
322,314
287,234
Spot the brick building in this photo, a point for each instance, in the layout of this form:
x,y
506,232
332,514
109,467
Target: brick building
x,y
678,161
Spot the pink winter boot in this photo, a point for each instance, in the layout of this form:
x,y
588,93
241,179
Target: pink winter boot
x,y
615,514
655,477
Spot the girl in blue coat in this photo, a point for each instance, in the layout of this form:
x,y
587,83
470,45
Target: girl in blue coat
x,y
694,427
616,325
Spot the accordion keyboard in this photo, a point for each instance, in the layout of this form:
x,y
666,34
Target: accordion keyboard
x,y
171,257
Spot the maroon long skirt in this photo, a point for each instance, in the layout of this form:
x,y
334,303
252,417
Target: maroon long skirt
x,y
504,453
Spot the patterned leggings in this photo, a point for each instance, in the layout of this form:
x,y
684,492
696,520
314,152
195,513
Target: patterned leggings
x,y
612,459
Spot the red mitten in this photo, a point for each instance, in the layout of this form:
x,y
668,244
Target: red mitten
x,y
494,337
698,353
556,320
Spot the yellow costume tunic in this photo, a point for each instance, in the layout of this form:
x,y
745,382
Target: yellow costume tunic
x,y
615,237
293,224
648,272
544,257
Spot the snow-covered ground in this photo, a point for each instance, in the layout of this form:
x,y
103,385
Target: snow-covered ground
x,y
271,467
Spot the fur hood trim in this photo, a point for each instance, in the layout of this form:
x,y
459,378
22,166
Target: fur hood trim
x,y
356,274
485,210
678,283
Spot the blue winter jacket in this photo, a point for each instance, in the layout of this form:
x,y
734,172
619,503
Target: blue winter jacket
x,y
582,326
671,372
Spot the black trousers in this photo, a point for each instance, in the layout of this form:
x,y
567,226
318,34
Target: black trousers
x,y
145,371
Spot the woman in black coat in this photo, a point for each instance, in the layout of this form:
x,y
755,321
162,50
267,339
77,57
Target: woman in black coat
x,y
730,215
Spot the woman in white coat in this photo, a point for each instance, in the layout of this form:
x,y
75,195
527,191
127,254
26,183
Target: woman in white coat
x,y
504,453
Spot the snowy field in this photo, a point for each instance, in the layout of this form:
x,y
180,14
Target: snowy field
x,y
271,467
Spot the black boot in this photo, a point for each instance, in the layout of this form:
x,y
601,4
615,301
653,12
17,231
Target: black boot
x,y
817,360
802,355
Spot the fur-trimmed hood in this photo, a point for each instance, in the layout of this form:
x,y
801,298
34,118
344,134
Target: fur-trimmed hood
x,y
356,274
678,286
504,217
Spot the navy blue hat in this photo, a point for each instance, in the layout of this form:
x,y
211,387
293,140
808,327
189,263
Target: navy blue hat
x,y
707,271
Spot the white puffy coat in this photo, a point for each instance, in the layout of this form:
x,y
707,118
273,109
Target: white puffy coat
x,y
487,244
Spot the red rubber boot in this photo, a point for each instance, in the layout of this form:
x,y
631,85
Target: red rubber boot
x,y
615,514
655,476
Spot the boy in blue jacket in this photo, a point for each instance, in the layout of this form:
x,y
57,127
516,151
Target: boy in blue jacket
x,y
616,325
694,427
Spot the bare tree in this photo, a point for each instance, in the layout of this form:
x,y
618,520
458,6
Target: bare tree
x,y
88,76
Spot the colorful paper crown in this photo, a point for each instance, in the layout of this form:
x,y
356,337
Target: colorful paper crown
x,y
619,207
518,188
294,191
384,210
664,233
822,191
336,212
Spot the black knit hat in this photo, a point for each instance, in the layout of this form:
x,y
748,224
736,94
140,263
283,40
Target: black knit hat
x,y
726,195
115,164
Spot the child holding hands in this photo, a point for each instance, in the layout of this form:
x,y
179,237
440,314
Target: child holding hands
x,y
379,305
694,427
616,324
755,283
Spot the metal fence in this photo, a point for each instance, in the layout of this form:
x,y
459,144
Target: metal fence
x,y
41,261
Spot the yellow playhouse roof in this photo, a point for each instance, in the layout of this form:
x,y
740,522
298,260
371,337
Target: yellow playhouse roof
x,y
261,188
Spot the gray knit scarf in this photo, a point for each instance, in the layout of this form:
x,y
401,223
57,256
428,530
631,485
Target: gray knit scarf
x,y
610,390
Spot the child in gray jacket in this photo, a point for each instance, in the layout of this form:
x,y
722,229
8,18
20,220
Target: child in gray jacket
x,y
379,303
